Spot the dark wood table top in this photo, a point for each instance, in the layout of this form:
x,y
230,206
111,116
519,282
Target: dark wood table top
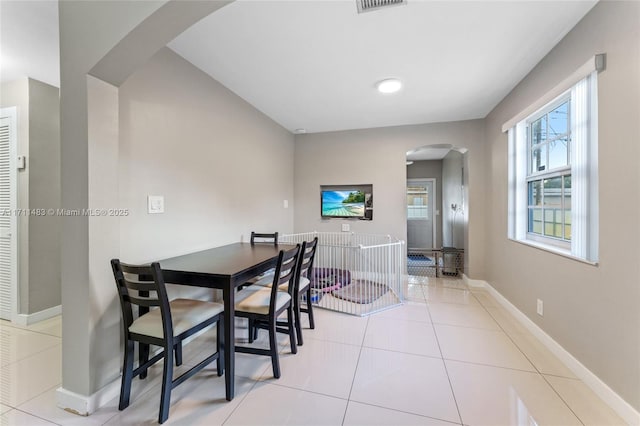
x,y
232,262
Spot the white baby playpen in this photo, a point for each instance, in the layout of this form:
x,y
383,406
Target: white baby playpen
x,y
358,274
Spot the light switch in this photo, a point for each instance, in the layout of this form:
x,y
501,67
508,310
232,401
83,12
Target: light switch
x,y
285,204
155,204
345,227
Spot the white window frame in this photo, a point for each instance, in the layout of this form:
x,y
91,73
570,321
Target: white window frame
x,y
581,87
532,175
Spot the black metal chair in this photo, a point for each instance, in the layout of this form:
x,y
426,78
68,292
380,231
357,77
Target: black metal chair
x,y
263,306
166,324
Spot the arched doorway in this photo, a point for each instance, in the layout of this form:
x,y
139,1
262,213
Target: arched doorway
x,y
437,209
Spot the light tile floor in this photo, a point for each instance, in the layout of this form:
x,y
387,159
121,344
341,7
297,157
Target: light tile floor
x,y
449,355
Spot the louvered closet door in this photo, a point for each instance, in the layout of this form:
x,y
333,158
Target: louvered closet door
x,y
8,264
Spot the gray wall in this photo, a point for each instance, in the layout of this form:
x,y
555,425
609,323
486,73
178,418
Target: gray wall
x,y
38,106
16,93
44,193
223,167
429,169
592,311
119,36
453,193
378,157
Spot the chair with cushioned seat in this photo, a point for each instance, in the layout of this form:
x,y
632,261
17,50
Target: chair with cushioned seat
x,y
161,323
264,305
302,287
260,238
305,269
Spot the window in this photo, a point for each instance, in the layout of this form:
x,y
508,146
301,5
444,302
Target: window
x,y
418,202
549,174
553,166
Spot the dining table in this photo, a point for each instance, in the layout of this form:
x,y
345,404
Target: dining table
x,y
225,268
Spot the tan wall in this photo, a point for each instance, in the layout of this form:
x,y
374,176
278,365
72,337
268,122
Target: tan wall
x,y
223,167
378,157
16,93
38,139
453,192
44,193
592,311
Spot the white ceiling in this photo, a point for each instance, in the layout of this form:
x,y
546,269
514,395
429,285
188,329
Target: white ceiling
x,y
29,41
313,64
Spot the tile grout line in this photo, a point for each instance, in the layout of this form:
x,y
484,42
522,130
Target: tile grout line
x,y
355,371
532,364
32,415
14,327
444,364
27,358
255,383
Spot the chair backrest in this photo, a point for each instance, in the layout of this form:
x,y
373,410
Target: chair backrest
x,y
142,286
307,254
285,272
260,237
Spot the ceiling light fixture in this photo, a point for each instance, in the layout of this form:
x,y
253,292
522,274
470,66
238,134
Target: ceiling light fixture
x,y
369,5
390,85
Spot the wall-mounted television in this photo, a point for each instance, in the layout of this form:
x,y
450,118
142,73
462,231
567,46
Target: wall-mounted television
x,y
342,203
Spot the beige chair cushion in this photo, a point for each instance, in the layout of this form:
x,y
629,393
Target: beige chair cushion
x,y
268,280
304,283
256,287
265,280
260,277
185,314
257,300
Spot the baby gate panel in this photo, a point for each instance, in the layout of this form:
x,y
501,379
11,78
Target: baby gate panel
x,y
358,274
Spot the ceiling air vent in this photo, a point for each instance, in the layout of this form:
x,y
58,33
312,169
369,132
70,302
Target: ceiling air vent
x,y
369,5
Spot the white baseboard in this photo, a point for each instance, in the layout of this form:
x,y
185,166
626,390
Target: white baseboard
x,y
474,283
85,405
608,395
28,319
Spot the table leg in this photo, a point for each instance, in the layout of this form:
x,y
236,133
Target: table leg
x,y
229,340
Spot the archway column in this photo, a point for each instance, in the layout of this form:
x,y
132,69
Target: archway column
x,y
101,44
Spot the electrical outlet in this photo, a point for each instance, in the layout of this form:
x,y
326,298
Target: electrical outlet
x,y
346,227
540,308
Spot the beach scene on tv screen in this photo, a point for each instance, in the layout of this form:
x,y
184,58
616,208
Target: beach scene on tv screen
x,y
342,203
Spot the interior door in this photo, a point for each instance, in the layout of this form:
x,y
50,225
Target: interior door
x,y
8,219
421,201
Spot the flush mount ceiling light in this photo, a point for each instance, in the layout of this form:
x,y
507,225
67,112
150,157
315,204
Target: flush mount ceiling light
x,y
390,85
369,5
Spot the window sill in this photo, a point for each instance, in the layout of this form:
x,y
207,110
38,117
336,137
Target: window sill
x,y
554,250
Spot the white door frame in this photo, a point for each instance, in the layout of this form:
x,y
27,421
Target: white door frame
x,y
432,205
10,113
